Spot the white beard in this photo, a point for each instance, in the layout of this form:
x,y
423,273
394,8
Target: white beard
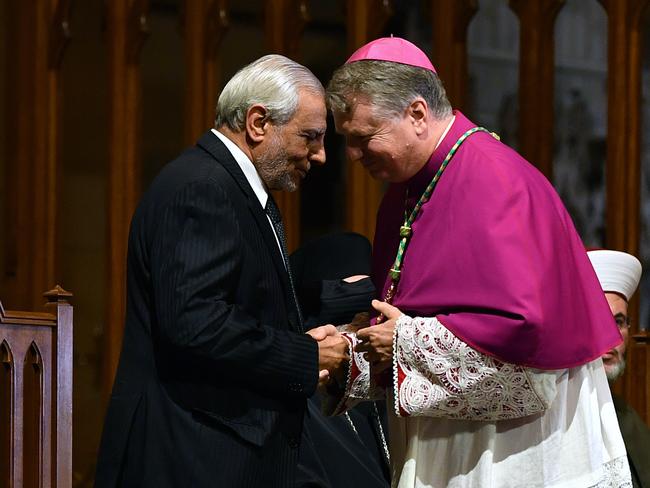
x,y
272,167
615,371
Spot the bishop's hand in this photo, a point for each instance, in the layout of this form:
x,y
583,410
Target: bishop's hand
x,y
377,341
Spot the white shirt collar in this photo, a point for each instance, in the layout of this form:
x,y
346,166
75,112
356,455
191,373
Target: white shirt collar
x,y
253,178
247,167
451,122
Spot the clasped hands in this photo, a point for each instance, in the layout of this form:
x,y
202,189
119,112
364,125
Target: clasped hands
x,y
376,342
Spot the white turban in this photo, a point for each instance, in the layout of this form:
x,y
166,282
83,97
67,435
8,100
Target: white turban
x,y
617,271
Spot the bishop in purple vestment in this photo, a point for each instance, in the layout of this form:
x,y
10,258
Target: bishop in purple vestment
x,y
493,322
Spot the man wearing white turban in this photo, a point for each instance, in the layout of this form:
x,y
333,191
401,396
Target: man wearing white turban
x,y
619,274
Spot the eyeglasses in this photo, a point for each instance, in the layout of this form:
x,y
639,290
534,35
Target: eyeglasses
x,y
623,321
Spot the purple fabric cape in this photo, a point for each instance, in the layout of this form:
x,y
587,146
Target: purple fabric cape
x,y
495,257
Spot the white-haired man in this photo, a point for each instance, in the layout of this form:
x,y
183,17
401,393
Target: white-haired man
x,y
619,274
215,370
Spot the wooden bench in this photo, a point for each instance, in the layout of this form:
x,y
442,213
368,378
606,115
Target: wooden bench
x,y
36,395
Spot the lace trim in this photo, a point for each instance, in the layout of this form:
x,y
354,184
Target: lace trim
x,y
438,375
396,371
359,385
362,385
616,474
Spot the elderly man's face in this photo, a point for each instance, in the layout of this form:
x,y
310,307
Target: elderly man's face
x,y
387,148
291,149
614,359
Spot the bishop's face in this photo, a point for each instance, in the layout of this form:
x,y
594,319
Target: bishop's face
x,y
614,359
388,148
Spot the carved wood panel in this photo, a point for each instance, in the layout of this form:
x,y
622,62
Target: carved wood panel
x,y
60,429
536,80
366,20
285,21
624,174
205,23
32,413
36,369
39,33
7,367
450,21
29,430
126,31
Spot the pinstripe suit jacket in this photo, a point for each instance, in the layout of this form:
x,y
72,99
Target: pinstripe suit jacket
x,y
213,376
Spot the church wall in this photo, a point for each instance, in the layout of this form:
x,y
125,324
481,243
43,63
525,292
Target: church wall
x,y
3,117
332,198
82,220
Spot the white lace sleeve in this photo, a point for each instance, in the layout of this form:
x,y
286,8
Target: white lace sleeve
x,y
359,385
438,375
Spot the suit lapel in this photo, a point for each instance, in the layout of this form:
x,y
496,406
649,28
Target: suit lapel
x,y
211,143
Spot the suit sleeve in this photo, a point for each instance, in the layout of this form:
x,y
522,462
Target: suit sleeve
x,y
196,262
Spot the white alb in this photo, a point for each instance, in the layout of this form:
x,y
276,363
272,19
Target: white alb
x,y
465,419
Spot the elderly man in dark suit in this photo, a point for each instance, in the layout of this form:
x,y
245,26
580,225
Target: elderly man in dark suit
x,y
215,368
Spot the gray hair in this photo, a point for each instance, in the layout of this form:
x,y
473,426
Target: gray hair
x,y
390,88
272,81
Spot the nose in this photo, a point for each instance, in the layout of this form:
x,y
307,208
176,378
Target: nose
x,y
318,156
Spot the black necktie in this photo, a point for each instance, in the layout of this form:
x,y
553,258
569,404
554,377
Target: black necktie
x,y
273,212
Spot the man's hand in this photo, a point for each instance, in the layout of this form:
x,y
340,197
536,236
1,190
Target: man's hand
x,y
333,355
332,352
377,341
320,333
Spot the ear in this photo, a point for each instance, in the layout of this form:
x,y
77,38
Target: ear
x,y
257,122
418,112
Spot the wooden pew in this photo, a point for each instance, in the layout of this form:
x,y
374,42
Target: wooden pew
x,y
36,395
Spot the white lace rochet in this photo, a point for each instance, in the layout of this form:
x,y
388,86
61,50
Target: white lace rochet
x,y
438,375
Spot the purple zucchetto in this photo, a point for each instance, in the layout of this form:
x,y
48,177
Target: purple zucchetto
x,y
393,49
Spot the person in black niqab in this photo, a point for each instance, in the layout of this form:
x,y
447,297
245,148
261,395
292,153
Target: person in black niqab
x,y
332,283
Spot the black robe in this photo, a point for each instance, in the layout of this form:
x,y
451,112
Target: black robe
x,y
348,451
636,436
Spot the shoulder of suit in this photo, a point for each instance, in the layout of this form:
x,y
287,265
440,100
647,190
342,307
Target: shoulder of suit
x,y
193,168
194,165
